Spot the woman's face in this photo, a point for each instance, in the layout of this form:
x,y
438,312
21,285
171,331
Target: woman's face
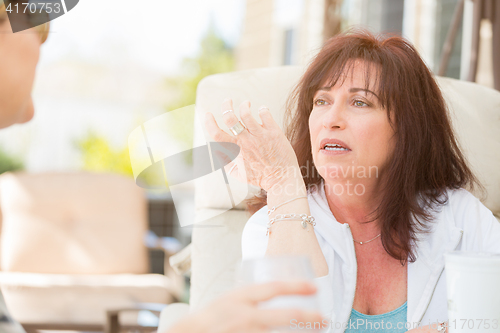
x,y
353,115
18,59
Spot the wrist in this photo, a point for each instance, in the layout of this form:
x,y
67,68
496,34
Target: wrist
x,y
290,184
288,189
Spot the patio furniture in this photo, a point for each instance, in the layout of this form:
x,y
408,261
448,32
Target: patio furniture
x,y
72,248
215,251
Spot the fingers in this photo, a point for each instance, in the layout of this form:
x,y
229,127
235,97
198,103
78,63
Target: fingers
x,y
214,130
228,115
289,317
251,124
263,292
229,118
267,119
247,118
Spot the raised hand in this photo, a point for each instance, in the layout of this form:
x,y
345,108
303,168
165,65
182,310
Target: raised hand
x,y
266,156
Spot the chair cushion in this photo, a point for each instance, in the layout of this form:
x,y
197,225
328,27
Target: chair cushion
x,y
475,114
79,299
215,251
72,223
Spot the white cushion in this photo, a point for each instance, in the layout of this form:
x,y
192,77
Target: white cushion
x,y
84,299
172,314
475,113
215,251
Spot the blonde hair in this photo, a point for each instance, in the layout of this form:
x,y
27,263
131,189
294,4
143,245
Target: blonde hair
x,y
43,29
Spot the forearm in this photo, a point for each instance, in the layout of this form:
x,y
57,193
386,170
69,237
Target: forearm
x,y
288,236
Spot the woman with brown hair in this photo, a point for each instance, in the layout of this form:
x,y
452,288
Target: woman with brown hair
x,y
368,182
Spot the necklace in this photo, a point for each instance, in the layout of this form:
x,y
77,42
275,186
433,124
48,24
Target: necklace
x,y
368,241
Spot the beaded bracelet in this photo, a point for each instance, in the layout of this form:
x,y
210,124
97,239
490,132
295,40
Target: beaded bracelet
x,y
280,217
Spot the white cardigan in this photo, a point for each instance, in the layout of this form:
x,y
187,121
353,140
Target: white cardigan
x,y
463,223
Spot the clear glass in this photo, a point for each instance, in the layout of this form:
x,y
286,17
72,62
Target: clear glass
x,y
473,290
282,268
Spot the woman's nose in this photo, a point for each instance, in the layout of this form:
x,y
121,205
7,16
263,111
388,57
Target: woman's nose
x,y
334,118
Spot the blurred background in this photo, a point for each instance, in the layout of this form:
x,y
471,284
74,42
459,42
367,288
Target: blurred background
x,y
108,66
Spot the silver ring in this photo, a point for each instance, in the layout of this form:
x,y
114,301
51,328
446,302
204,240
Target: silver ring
x,y
238,128
227,111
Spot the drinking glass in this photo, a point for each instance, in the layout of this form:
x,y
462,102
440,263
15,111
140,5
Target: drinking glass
x,y
473,288
282,268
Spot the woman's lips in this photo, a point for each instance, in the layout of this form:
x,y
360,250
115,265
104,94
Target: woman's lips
x,y
331,146
334,152
333,142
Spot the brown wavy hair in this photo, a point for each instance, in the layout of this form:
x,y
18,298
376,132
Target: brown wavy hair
x,y
427,159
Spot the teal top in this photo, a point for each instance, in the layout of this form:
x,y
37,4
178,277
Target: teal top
x,y
393,322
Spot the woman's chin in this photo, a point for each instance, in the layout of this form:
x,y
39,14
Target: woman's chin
x,y
335,170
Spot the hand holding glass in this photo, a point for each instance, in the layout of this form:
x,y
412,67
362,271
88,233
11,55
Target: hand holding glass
x,y
283,268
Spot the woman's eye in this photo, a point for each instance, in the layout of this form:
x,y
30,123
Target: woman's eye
x,y
319,102
359,103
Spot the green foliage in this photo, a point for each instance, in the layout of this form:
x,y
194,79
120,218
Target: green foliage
x,y
215,57
9,163
99,156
